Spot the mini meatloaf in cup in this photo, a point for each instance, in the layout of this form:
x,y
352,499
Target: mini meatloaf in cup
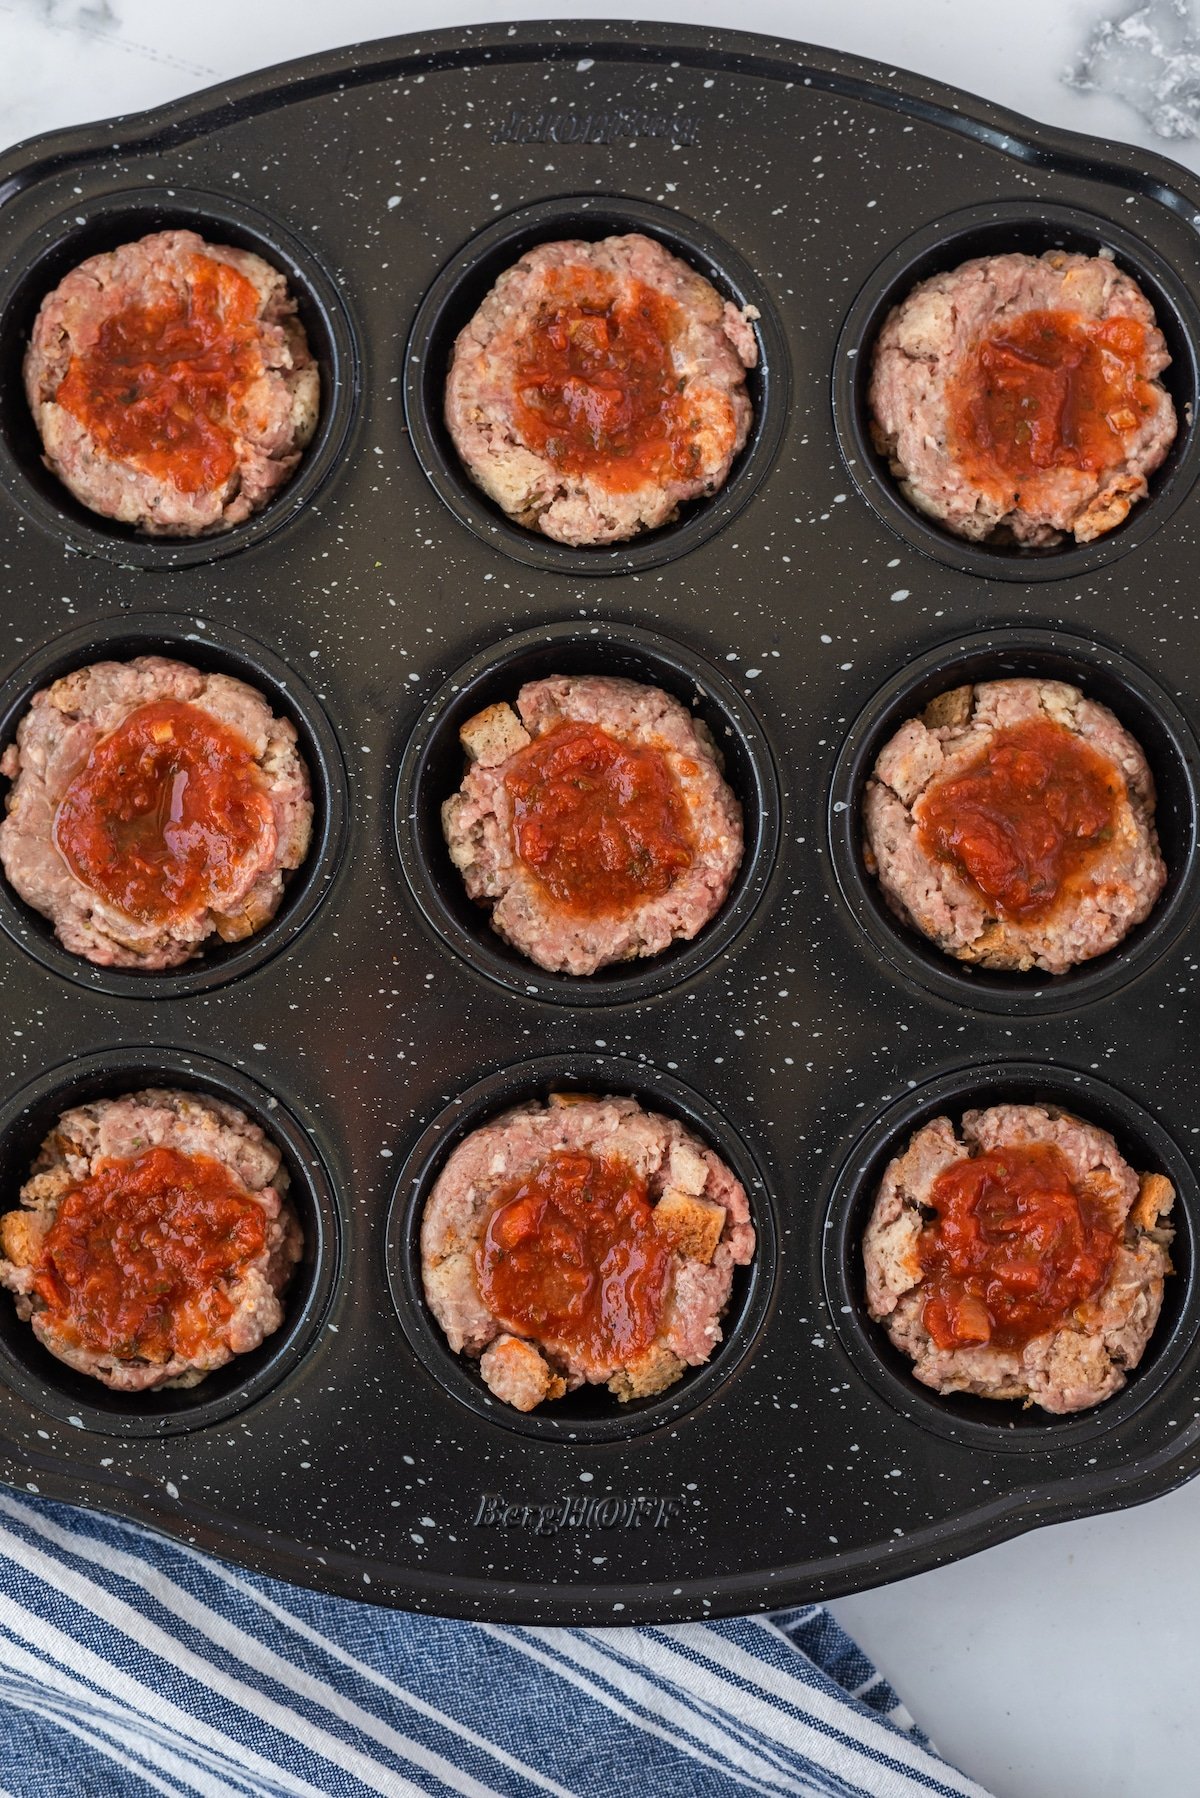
x,y
599,387
153,806
1017,397
172,384
1021,1258
1012,823
594,820
154,1239
583,1241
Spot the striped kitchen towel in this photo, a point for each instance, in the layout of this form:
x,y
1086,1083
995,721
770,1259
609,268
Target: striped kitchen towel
x,y
130,1665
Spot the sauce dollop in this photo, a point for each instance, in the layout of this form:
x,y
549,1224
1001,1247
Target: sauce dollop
x,y
164,813
1048,390
1015,1249
571,1258
1026,819
603,824
140,1257
164,386
596,389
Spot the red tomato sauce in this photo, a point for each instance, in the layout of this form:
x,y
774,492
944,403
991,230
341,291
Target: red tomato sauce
x,y
596,391
1025,820
163,813
571,1258
140,1256
1015,1249
603,824
164,385
1048,390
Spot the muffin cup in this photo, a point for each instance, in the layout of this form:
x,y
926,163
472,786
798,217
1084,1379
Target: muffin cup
x,y
591,1413
433,767
104,223
460,289
1171,750
214,649
48,1384
1031,228
995,1423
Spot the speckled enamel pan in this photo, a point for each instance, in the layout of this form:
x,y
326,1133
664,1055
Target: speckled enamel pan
x,y
379,599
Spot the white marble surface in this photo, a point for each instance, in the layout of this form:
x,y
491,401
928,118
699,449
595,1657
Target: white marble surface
x,y
1062,1665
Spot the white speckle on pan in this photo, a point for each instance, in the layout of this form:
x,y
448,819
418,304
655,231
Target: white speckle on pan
x,y
899,594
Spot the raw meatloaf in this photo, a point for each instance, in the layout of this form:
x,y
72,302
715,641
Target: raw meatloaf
x,y
644,407
54,740
236,1312
1087,1357
478,823
120,379
700,1208
1050,492
1116,891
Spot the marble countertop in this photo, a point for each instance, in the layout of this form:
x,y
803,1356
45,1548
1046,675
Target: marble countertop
x,y
1062,1664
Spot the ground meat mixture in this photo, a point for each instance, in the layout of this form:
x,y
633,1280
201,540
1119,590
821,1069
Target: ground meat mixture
x,y
583,1241
151,807
154,1239
1012,823
172,384
1018,397
599,387
1018,1258
594,820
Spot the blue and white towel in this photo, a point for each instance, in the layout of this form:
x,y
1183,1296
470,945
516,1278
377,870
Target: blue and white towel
x,y
130,1666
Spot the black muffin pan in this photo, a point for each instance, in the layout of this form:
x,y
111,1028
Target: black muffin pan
x,y
802,613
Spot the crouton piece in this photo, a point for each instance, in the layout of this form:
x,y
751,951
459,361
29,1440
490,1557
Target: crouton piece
x,y
948,709
692,1225
688,1168
49,1188
494,734
517,1374
1155,1197
651,1372
1104,1189
20,1237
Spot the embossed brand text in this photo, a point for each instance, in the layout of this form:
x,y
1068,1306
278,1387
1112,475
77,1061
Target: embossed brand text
x,y
577,1512
594,127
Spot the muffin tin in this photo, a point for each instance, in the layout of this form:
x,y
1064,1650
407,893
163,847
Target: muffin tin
x,y
802,612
